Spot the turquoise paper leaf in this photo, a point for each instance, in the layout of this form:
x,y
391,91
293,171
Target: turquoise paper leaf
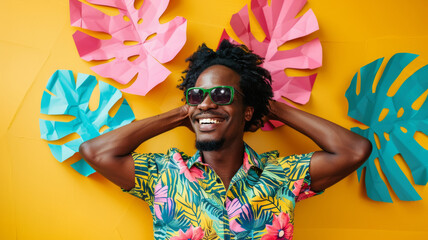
x,y
70,97
367,106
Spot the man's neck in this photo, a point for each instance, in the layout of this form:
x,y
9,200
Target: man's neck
x,y
226,161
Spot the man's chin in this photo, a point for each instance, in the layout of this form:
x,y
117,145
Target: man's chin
x,y
209,145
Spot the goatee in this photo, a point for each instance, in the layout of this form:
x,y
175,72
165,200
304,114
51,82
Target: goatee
x,y
212,145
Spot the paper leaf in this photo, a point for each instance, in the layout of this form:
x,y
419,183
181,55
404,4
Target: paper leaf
x,y
367,107
280,25
70,97
153,43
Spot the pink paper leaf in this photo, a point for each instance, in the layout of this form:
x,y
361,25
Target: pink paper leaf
x,y
280,25
130,25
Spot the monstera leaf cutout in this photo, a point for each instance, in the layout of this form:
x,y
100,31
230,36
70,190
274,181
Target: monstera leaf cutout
x,y
396,130
134,32
69,97
280,25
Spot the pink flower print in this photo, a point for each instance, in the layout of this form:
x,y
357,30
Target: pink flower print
x,y
192,173
297,186
281,228
235,226
179,159
166,211
246,162
196,172
158,212
234,208
305,192
190,234
160,194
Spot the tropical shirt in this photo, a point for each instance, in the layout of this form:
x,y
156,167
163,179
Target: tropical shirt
x,y
189,201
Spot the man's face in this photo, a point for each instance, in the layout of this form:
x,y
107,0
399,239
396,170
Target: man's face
x,y
212,122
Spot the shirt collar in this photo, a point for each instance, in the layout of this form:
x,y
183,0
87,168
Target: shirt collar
x,y
197,158
251,159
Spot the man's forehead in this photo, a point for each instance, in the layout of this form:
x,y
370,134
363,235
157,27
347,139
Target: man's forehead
x,y
218,75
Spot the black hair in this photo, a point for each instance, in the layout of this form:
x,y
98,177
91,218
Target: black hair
x,y
255,81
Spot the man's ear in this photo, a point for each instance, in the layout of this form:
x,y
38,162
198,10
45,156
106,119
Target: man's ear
x,y
248,114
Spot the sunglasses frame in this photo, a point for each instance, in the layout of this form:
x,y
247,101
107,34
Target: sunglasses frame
x,y
205,91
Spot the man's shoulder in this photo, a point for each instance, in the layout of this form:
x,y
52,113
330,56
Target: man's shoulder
x,y
169,153
174,158
270,154
264,155
178,155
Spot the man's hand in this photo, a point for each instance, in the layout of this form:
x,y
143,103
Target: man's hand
x,y
260,124
186,121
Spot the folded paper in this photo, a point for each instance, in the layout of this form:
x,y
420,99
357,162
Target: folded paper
x,y
367,106
280,25
152,43
67,96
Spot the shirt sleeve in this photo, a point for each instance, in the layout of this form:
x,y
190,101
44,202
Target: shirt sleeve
x,y
297,172
146,172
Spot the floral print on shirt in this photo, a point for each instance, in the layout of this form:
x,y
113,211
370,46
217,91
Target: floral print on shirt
x,y
188,200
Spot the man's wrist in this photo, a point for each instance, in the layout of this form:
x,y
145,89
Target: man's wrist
x,y
274,108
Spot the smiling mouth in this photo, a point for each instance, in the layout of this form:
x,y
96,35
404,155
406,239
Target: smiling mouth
x,y
209,124
209,121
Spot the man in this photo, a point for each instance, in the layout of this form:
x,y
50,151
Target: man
x,y
226,190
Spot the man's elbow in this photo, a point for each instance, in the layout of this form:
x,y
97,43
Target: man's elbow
x,y
87,152
362,151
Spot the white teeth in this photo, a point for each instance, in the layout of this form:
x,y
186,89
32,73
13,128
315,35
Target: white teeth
x,y
208,121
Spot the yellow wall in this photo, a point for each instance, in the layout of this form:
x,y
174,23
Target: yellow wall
x,y
44,199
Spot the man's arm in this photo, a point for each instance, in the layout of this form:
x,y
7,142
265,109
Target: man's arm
x,y
110,153
343,151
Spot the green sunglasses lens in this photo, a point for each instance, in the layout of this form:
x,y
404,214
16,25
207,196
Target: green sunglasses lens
x,y
221,95
195,96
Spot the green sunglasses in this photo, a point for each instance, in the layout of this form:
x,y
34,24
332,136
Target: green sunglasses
x,y
220,95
